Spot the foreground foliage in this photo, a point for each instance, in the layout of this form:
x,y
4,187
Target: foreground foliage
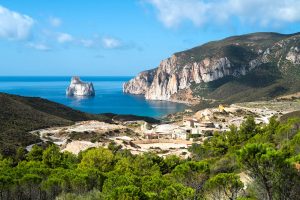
x,y
267,157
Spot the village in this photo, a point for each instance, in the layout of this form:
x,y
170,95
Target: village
x,y
165,138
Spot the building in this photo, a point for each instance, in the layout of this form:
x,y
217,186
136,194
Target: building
x,y
188,123
150,134
181,133
165,131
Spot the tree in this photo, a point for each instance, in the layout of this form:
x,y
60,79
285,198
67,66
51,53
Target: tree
x,y
217,145
170,162
272,127
115,180
146,164
129,192
20,154
69,160
256,158
32,183
5,182
53,185
52,157
36,153
91,195
198,151
270,169
124,165
177,191
248,129
287,131
99,158
233,136
223,186
152,186
192,174
7,175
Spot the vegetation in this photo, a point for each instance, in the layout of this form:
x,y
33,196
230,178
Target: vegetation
x,y
272,77
267,156
263,83
124,118
241,53
19,115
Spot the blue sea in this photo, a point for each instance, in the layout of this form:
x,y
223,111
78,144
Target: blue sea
x,y
109,96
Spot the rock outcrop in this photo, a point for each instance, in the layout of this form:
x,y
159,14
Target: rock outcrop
x,y
234,56
140,84
80,88
294,55
170,77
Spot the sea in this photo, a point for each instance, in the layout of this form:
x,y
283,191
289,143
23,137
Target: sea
x,y
109,96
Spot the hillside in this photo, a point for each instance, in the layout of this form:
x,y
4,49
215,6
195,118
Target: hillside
x,y
19,115
239,68
253,162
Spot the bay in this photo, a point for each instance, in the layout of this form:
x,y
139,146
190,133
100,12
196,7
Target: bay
x,y
109,95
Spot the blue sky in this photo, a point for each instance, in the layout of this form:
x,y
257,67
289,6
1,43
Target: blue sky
x,y
124,37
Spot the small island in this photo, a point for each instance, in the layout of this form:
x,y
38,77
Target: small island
x,y
80,88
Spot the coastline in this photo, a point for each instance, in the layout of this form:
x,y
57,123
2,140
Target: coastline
x,y
109,95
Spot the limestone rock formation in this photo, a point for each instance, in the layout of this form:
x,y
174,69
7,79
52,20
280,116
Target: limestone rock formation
x,y
139,84
235,56
80,88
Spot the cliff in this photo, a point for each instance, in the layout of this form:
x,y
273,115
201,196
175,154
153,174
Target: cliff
x,y
233,57
79,88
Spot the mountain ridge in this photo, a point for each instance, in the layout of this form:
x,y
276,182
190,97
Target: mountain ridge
x,y
235,56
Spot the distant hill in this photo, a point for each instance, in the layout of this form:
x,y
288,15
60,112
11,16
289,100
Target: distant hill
x,y
248,67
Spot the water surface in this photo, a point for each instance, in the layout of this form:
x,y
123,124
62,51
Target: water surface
x,y
109,96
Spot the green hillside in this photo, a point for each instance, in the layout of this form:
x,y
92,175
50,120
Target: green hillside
x,y
263,83
239,49
275,76
18,115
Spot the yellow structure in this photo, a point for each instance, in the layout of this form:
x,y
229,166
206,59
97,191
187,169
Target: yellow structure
x,y
221,108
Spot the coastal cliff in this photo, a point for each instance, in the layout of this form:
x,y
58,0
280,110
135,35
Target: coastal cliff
x,y
235,57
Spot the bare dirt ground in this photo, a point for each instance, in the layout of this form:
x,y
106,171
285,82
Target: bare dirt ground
x,y
270,107
135,143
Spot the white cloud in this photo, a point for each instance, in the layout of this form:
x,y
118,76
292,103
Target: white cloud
x,y
200,12
173,12
111,43
55,21
64,38
87,42
14,25
39,46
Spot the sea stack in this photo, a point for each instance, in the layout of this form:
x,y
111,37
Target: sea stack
x,y
80,88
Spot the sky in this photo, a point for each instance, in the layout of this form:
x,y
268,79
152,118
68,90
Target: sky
x,y
124,37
